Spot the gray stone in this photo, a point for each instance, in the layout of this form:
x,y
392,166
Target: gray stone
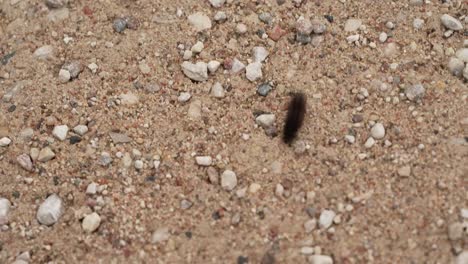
x,y
60,132
204,160
218,91
451,23
184,97
304,26
352,25
259,54
185,204
5,206
378,131
46,154
91,222
326,218
50,210
415,92
25,162
462,54
80,129
119,25
264,88
10,93
456,66
44,52
119,138
254,71
228,180
265,120
197,72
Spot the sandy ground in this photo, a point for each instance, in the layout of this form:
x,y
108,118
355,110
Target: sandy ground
x,y
383,215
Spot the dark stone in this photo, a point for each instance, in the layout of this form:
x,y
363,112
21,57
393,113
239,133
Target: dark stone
x,y
329,18
242,260
311,212
268,258
12,108
357,118
188,234
303,39
5,59
75,139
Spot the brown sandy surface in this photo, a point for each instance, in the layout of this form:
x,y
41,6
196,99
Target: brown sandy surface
x,y
400,198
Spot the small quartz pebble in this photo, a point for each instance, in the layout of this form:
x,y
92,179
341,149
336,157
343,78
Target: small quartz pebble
x,y
462,258
160,235
265,120
45,155
404,171
92,188
228,180
462,54
184,97
383,37
50,210
254,71
197,72
91,222
456,66
237,66
60,132
4,210
80,129
326,218
198,47
218,91
204,160
4,141
350,139
415,92
352,25
25,162
93,67
217,3
44,52
241,28
64,76
369,142
263,89
199,21
320,259
185,204
259,54
451,23
418,23
378,131
213,66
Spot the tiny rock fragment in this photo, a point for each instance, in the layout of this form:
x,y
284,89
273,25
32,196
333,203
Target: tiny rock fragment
x,y
160,235
119,138
196,72
228,180
25,162
4,211
46,154
204,160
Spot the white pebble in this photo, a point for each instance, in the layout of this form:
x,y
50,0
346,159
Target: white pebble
x,y
4,211
326,218
197,72
320,259
184,97
369,142
218,91
4,141
350,139
378,131
259,54
254,71
213,66
383,37
198,47
160,235
60,132
451,23
64,76
204,160
265,120
91,222
50,210
138,164
241,28
80,129
199,21
228,180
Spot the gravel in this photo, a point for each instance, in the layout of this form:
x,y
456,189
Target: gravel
x,y
415,92
451,23
228,180
196,72
46,154
184,97
456,66
213,66
5,206
254,71
326,218
44,52
265,120
160,235
91,222
50,210
218,91
204,160
199,21
263,89
378,131
259,54
25,162
60,132
80,130
320,259
352,25
4,142
404,171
